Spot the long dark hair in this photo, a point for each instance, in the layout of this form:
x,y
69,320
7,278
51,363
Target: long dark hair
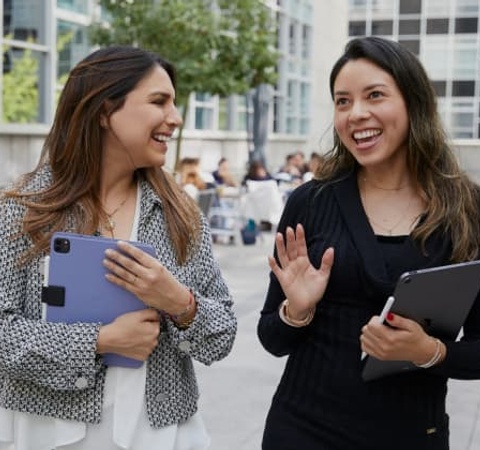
x,y
73,150
452,198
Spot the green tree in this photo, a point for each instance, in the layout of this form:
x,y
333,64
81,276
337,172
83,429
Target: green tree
x,y
219,47
19,90
20,84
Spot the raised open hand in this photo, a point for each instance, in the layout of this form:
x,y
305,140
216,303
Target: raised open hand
x,y
302,283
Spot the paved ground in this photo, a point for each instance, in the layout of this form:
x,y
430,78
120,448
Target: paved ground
x,y
236,392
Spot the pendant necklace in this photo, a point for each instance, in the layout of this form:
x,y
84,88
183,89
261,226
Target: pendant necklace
x,y
110,224
390,229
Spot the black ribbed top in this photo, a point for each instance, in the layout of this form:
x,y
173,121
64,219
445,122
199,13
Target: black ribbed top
x,y
322,403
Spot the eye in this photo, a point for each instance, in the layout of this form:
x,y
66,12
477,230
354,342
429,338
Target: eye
x,y
341,101
159,102
375,94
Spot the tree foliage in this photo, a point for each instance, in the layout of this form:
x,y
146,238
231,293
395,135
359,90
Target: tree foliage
x,y
20,88
219,47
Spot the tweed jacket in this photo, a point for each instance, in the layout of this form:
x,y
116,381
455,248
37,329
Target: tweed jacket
x,y
52,369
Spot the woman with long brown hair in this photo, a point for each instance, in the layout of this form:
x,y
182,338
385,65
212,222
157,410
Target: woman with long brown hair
x,y
101,173
390,197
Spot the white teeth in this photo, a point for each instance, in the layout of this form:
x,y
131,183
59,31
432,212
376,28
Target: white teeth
x,y
161,138
366,134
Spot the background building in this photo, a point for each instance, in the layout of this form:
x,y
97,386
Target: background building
x,y
43,39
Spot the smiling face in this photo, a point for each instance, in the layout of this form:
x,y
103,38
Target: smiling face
x,y
140,130
371,118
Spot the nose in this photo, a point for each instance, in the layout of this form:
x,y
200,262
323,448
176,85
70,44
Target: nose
x,y
174,117
359,111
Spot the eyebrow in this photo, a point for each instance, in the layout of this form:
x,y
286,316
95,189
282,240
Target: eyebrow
x,y
367,88
157,94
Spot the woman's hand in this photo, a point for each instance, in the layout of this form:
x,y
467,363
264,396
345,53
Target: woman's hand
x,y
403,340
302,283
134,334
145,277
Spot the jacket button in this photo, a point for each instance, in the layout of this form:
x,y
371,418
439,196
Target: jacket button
x,y
161,397
184,346
81,383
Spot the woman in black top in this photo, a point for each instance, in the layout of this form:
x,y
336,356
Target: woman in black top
x,y
389,197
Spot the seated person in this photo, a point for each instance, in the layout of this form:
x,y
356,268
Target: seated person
x,y
256,172
190,178
290,172
316,161
222,174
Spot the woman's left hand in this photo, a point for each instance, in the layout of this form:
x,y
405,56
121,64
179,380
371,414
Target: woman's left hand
x,y
403,340
145,277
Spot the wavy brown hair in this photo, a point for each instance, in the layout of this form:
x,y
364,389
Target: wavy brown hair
x,y
452,199
73,150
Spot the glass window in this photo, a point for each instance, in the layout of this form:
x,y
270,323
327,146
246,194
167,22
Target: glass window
x,y
357,5
466,25
304,108
244,111
437,8
357,28
23,20
204,105
465,57
291,104
433,56
203,118
410,6
20,87
306,41
223,114
467,7
72,46
437,26
292,38
463,88
409,27
73,5
382,27
412,44
440,88
383,8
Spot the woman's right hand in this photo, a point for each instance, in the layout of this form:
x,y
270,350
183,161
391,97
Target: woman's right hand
x,y
302,283
134,334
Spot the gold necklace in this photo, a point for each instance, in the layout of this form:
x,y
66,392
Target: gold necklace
x,y
399,188
390,229
110,224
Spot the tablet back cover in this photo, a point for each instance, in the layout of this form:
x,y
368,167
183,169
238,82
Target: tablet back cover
x,y
76,265
438,298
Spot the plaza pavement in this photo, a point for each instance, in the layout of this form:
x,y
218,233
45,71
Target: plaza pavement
x,y
235,393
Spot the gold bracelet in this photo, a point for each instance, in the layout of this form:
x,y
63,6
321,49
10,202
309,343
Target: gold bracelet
x,y
283,312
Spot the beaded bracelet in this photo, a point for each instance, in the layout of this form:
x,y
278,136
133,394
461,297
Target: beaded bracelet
x,y
435,358
283,312
179,319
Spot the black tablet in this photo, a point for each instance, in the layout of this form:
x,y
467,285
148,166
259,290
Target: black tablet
x,y
439,298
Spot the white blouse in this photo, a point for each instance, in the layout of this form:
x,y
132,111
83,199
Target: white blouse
x,y
124,423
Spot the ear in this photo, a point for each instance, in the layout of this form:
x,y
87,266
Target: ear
x,y
105,115
104,121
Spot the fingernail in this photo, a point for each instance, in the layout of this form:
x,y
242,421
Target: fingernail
x,y
390,316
